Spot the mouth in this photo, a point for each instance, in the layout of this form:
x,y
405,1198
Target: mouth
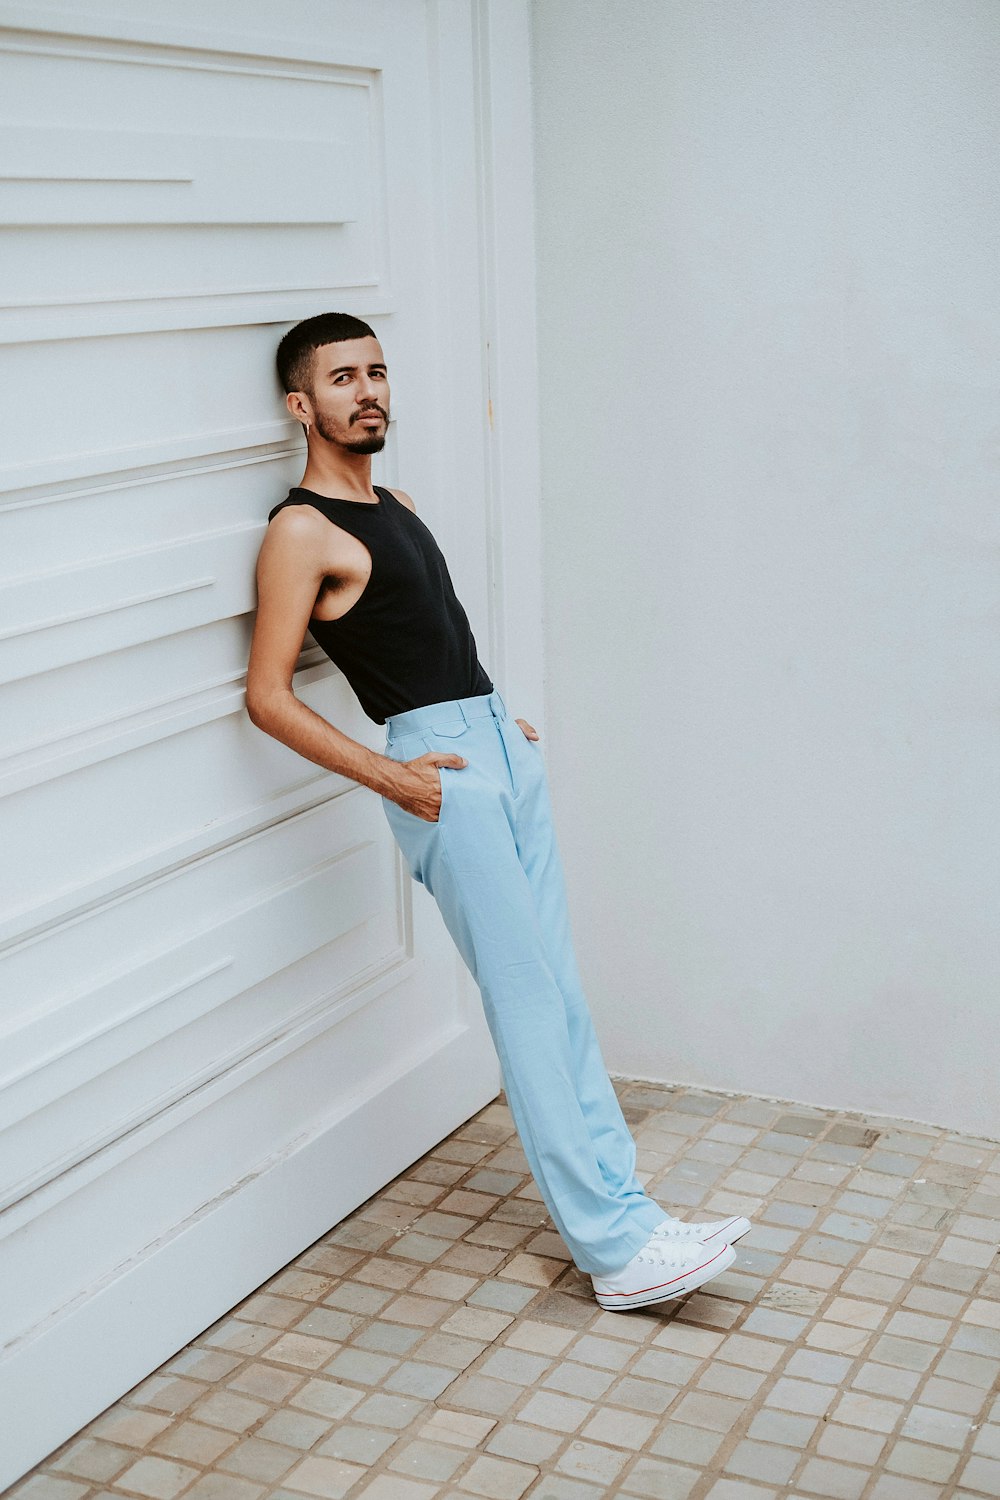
x,y
369,416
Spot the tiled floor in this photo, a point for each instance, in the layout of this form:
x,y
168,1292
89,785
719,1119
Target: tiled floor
x,y
439,1343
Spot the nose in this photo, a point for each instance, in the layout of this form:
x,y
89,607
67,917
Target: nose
x,y
367,390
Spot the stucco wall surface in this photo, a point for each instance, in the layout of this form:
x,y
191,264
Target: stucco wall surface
x,y
769,333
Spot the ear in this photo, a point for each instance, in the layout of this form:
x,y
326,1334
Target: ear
x,y
299,405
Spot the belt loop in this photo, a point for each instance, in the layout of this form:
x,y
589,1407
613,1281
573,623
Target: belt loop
x,y
498,706
465,716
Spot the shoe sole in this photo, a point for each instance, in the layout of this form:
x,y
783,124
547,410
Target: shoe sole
x,y
675,1286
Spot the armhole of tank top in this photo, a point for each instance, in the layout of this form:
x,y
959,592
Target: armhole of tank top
x,y
308,504
355,607
282,506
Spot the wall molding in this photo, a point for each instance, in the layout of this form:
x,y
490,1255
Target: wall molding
x,y
75,1044
107,619
123,1171
131,601
92,316
42,760
35,921
503,97
201,1089
145,463
29,27
150,463
80,175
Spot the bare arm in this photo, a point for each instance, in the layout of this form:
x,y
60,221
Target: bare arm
x,y
289,573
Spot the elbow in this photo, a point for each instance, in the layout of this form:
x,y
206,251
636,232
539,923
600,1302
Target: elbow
x,y
257,710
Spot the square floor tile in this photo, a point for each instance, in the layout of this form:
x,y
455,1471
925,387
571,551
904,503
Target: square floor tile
x,y
439,1342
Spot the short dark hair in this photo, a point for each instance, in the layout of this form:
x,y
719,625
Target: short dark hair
x,y
294,357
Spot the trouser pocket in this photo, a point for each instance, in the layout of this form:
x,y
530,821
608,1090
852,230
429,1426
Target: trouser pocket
x,y
417,836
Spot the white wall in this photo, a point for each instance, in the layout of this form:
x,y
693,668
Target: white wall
x,y
205,940
769,340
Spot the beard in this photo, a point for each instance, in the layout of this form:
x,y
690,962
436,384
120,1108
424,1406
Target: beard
x,y
363,440
367,442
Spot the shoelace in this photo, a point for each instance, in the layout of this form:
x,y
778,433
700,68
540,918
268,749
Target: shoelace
x,y
666,1257
676,1228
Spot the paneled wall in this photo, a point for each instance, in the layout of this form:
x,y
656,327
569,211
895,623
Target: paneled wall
x,y
228,1015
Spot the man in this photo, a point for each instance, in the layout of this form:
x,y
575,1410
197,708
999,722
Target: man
x,y
464,789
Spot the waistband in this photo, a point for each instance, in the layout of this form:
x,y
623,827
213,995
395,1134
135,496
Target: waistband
x,y
449,712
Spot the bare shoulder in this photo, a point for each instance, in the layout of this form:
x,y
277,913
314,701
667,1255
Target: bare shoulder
x,y
403,498
296,523
301,536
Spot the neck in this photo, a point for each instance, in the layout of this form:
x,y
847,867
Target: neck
x,y
336,471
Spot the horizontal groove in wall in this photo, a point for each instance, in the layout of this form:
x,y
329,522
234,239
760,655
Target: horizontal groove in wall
x,y
49,1036
164,45
131,601
76,175
52,1068
145,463
81,976
42,322
177,457
205,1088
35,923
97,624
129,561
85,744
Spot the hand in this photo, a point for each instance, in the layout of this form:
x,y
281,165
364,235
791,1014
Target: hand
x,y
528,731
417,786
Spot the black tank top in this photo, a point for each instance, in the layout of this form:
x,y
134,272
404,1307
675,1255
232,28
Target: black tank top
x,y
407,640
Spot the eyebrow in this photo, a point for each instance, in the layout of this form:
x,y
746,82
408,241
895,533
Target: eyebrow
x,y
350,369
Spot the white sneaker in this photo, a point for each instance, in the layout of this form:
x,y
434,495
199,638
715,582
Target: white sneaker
x,y
663,1268
711,1232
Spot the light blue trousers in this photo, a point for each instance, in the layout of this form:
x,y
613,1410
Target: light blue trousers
x,y
492,865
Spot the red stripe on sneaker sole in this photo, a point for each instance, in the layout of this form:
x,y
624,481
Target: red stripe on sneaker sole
x,y
643,1302
641,1290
